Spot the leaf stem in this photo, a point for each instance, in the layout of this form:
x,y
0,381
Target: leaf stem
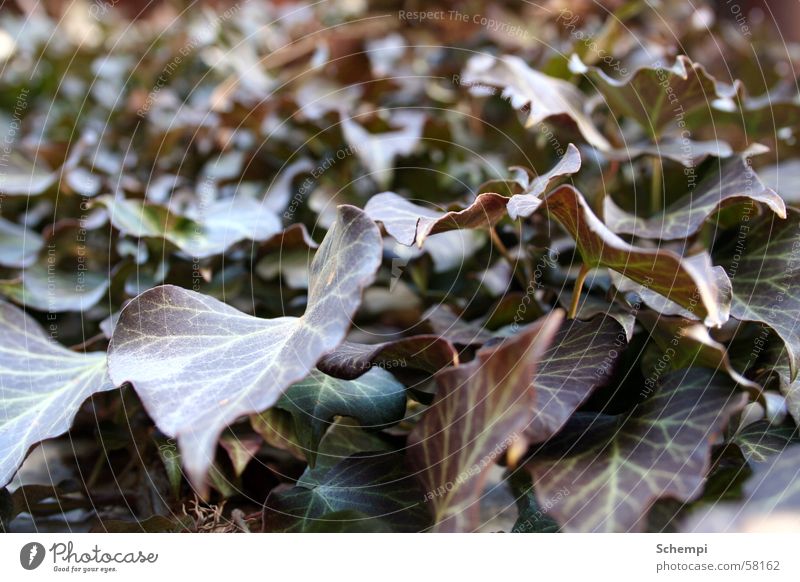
x,y
504,252
576,291
657,177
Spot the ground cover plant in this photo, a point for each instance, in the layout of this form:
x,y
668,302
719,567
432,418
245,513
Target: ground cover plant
x,y
384,267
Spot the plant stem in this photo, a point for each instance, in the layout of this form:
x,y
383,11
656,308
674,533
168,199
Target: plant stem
x,y
503,250
656,184
576,291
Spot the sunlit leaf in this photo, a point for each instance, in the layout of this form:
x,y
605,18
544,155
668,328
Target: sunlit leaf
x,y
204,232
378,151
529,200
546,96
411,223
42,386
56,290
199,364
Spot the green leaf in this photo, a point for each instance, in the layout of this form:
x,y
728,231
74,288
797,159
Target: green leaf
x,y
203,232
198,364
524,86
760,440
614,468
689,283
44,288
42,386
376,486
19,246
731,182
481,408
531,517
375,400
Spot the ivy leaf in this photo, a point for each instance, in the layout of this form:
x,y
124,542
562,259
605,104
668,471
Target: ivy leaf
x,y
688,344
375,400
19,246
55,290
481,408
42,386
771,502
376,486
687,152
199,234
765,279
580,359
659,97
759,441
429,353
617,467
241,450
733,181
789,388
447,324
693,284
409,223
530,199
342,440
377,151
547,96
276,427
23,177
198,364
531,517
700,262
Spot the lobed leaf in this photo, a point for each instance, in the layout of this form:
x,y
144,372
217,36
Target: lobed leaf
x,y
690,283
375,400
615,468
198,364
376,486
201,233
42,386
547,96
481,408
410,224
766,279
733,181
657,96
